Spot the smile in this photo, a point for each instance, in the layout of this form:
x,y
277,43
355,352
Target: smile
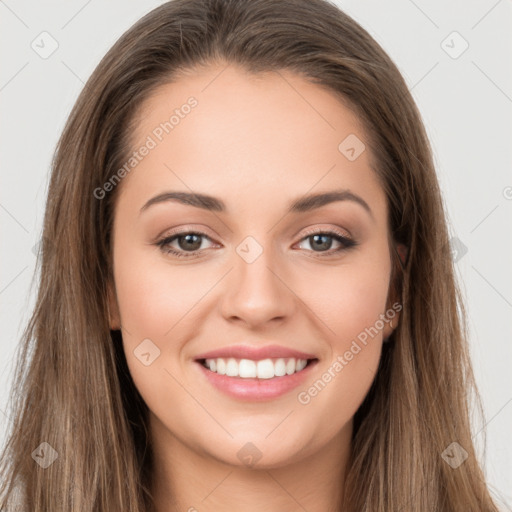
x,y
248,368
255,380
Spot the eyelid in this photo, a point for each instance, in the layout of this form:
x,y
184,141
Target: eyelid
x,y
183,230
323,229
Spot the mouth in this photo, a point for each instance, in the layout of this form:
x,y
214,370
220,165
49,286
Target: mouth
x,y
250,380
263,369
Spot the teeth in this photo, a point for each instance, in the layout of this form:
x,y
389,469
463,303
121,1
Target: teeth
x,y
247,368
221,366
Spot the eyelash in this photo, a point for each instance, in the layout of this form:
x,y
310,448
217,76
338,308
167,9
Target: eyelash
x,y
346,243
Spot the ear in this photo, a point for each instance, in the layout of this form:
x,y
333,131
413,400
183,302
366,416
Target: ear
x,y
394,296
114,319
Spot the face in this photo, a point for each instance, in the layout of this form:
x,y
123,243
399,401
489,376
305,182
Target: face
x,y
258,279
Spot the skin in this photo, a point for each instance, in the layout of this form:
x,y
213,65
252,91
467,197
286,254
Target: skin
x,y
257,142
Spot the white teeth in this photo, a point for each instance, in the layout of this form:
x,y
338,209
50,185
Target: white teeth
x,y
263,369
247,368
301,364
221,366
231,368
280,368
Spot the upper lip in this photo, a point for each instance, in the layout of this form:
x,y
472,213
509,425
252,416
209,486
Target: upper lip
x,y
255,353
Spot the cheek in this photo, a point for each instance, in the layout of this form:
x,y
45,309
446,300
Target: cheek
x,y
349,301
156,306
152,295
356,306
350,298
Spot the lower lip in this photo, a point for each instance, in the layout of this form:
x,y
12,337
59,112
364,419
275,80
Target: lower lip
x,y
257,389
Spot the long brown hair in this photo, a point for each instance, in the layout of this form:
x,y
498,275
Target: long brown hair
x,y
72,388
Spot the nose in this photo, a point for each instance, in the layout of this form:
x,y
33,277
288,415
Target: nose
x,y
256,292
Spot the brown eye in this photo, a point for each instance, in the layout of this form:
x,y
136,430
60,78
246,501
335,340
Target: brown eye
x,y
187,242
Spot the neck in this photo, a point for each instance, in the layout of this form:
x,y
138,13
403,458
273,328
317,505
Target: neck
x,y
188,481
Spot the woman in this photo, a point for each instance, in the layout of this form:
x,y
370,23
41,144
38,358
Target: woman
x,y
198,342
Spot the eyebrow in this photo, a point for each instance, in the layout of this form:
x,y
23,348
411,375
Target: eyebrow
x,y
300,205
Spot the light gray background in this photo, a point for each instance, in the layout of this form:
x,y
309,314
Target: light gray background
x,y
466,104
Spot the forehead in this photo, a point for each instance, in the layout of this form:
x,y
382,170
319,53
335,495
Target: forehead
x,y
227,132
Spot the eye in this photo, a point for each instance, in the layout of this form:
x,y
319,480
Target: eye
x,y
322,240
189,243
